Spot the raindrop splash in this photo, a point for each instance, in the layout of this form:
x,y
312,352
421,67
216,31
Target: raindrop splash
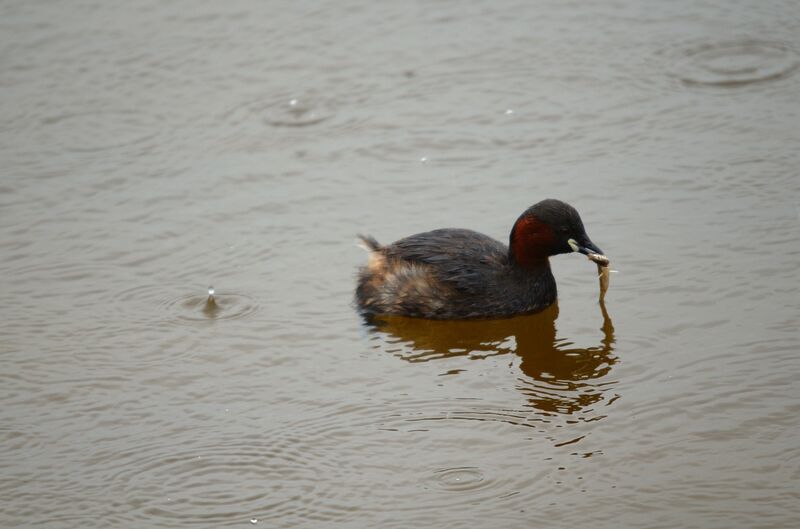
x,y
460,478
211,307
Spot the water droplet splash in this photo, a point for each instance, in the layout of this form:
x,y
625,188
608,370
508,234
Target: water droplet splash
x,y
211,307
297,113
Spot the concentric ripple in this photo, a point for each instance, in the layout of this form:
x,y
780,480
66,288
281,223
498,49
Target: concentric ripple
x,y
286,111
198,309
286,472
296,113
160,303
735,63
229,481
460,479
290,117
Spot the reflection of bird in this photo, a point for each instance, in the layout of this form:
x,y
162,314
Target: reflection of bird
x,y
459,274
559,378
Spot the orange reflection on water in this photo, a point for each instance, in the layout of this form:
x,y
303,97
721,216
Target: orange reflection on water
x,y
558,378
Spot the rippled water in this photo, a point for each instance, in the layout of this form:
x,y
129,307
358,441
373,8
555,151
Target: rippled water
x,y
151,150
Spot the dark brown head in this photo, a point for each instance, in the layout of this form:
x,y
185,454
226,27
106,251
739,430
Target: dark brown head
x,y
550,227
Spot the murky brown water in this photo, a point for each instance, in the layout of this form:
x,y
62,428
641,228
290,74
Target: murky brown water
x,y
152,149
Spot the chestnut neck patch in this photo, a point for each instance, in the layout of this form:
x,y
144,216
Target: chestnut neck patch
x,y
532,242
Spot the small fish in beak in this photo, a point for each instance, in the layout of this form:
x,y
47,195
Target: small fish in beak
x,y
597,256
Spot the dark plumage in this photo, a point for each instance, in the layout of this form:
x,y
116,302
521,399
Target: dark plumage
x,y
460,274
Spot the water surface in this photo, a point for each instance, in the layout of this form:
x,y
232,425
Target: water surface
x,y
150,150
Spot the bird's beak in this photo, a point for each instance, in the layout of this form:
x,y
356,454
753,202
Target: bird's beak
x,y
588,248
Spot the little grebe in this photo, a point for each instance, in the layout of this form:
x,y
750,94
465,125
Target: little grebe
x,y
461,274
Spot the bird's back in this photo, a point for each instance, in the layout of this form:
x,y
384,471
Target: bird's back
x,y
447,274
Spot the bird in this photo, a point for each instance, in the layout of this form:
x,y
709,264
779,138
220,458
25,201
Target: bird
x,y
456,274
